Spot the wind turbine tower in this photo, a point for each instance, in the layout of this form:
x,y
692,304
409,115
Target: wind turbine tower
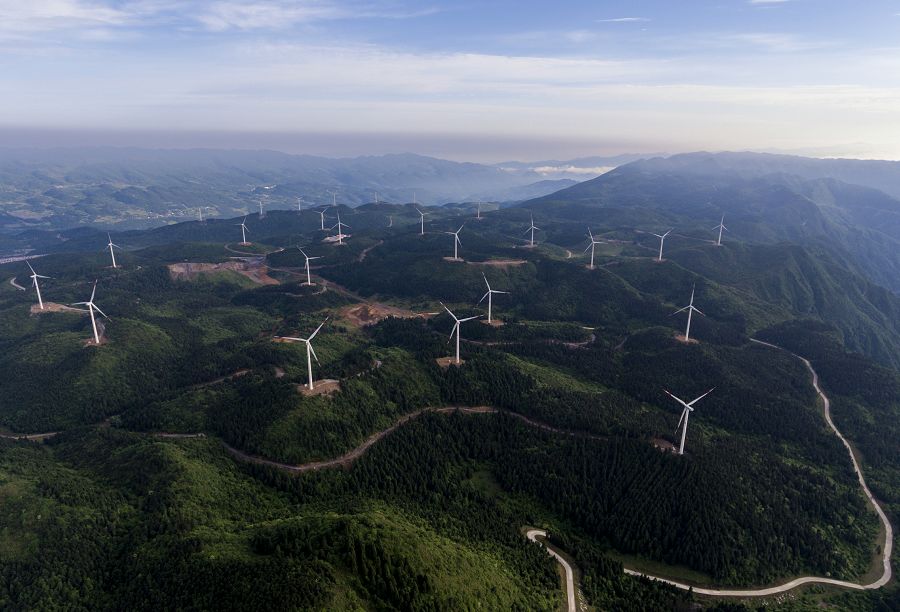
x,y
690,310
112,253
340,226
322,218
456,242
262,211
34,281
688,409
531,229
422,221
91,308
244,231
455,330
662,241
490,292
310,351
308,259
594,242
720,227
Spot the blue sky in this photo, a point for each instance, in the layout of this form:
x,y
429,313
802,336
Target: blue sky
x,y
485,80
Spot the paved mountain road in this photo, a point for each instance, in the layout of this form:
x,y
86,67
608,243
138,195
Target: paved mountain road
x,y
533,534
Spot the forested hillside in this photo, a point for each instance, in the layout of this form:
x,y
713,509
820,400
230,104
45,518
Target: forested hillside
x,y
186,465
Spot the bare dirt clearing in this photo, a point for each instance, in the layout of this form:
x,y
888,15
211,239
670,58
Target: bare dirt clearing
x,y
254,269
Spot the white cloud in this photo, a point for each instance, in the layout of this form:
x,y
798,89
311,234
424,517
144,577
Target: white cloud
x,y
622,20
576,170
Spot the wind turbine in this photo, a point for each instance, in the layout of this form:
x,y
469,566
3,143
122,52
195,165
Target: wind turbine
x,y
456,327
488,295
422,227
531,229
720,227
456,241
688,409
111,252
262,211
322,218
339,226
200,213
390,221
591,246
478,211
299,203
244,231
690,310
308,259
662,241
310,351
91,307
34,279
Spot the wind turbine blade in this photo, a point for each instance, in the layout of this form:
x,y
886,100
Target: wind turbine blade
x,y
78,304
449,312
681,419
291,338
97,308
494,291
469,318
453,331
700,398
484,296
30,268
93,291
316,257
679,310
486,281
587,247
312,351
458,240
304,252
677,399
460,228
697,310
318,328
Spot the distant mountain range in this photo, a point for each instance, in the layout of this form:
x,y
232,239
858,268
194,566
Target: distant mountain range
x,y
139,188
764,199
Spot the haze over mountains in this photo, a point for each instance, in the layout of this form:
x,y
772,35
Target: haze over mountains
x,y
133,188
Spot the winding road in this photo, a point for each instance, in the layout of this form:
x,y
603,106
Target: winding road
x,y
793,584
13,282
350,456
533,534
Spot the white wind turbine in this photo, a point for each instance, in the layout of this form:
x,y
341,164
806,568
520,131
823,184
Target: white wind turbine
x,y
308,259
490,292
91,308
112,253
594,242
34,280
310,351
390,221
200,213
244,231
531,229
340,226
456,241
662,241
478,212
322,218
690,310
720,227
688,409
456,329
299,203
262,211
422,226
